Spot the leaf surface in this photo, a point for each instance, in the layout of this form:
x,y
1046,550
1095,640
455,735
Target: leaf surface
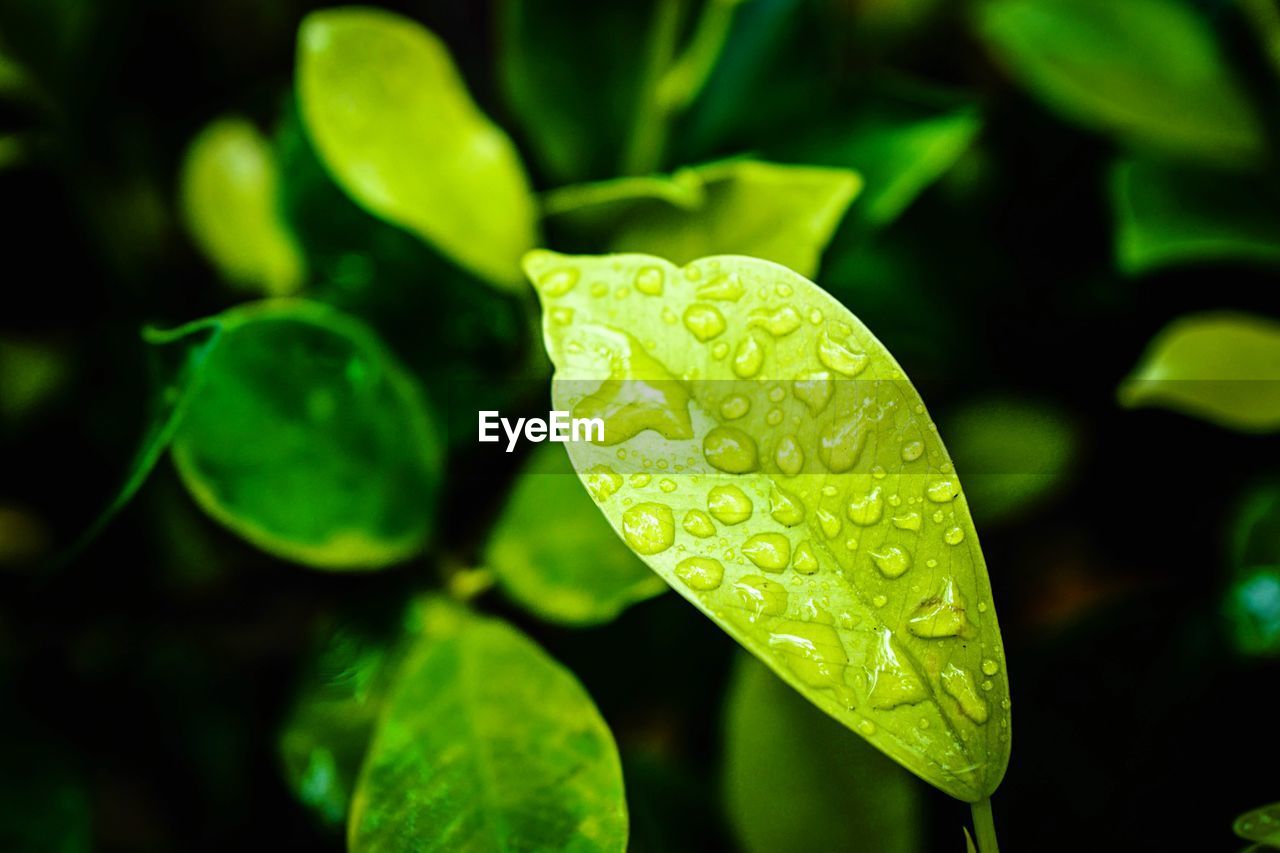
x,y
230,197
486,743
555,555
1221,367
1149,71
816,517
1261,825
394,124
796,781
305,437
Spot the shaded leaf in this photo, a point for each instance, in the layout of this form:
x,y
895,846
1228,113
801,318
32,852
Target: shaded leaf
x,y
1167,215
602,207
1261,825
1148,71
1014,454
849,563
486,743
393,122
795,780
555,555
230,197
305,437
1223,368
785,214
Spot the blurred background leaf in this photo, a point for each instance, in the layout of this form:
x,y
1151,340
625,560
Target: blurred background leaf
x,y
1261,825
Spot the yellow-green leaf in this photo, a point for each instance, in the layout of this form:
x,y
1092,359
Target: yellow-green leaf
x,y
394,124
230,198
555,555
486,743
785,214
789,770
1149,71
816,517
306,437
1224,368
1261,825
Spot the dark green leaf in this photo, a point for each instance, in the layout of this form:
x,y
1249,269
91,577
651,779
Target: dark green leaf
x,y
1261,825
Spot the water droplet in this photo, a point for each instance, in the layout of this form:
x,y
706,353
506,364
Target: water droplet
x,y
938,516
953,536
786,508
774,417
704,321
866,510
723,288
866,728
649,528
959,685
599,289
839,357
669,317
812,651
777,394
891,678
841,444
729,504
990,667
562,316
907,521
602,482
779,323
912,450
761,597
769,551
639,481
783,290
730,450
805,561
734,407
789,456
829,522
748,358
558,282
667,485
719,350
880,600
815,316
892,561
814,391
698,523
649,281
700,573
943,491
942,615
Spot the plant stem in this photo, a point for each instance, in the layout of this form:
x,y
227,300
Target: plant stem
x,y
649,133
984,826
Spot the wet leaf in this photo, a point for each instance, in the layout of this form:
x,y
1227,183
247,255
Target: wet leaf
x,y
1261,825
1014,454
816,516
789,771
230,196
393,123
555,555
305,437
1148,71
486,743
1223,368
1167,215
785,214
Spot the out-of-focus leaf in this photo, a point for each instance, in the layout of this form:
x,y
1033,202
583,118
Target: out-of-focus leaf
x,y
45,807
785,214
1224,368
486,743
816,517
1251,601
1167,215
1149,71
1261,825
395,126
1014,454
555,555
898,154
305,437
796,781
327,732
230,196
573,88
31,372
602,207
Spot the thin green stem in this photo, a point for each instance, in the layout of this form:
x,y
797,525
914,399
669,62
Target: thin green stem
x,y
984,826
649,133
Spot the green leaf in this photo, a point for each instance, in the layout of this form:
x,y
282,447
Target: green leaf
x,y
230,196
1221,367
1148,71
555,555
1167,215
796,781
816,516
603,207
305,437
785,214
1014,454
486,743
1251,600
394,124
1261,825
